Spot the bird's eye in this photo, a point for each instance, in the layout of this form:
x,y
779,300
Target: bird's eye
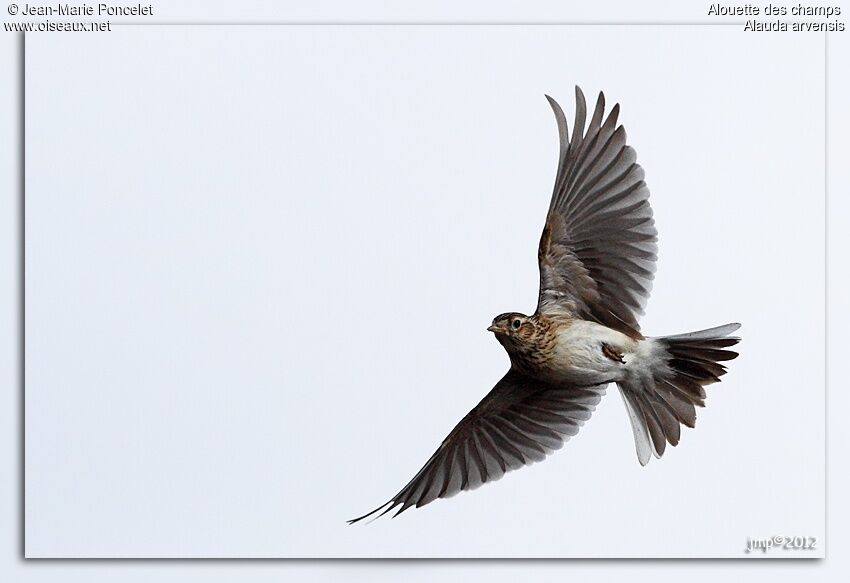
x,y
516,324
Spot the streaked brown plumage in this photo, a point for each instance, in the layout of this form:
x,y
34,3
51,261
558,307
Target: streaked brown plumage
x,y
597,259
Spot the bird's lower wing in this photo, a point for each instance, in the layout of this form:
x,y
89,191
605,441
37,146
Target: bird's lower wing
x,y
520,421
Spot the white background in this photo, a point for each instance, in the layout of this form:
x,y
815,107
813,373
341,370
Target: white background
x,y
16,569
260,262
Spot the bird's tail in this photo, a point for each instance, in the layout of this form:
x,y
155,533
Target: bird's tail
x,y
661,396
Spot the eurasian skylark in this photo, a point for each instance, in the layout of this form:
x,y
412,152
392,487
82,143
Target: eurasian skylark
x,y
597,258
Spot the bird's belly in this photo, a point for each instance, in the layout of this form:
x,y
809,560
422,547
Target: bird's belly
x,y
578,355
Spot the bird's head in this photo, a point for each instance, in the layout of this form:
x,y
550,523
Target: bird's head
x,y
513,326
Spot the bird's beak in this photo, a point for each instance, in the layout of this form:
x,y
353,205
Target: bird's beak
x,y
493,328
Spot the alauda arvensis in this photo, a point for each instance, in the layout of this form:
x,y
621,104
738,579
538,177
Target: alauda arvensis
x,y
597,258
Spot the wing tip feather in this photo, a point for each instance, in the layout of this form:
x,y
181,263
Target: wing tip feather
x,y
390,504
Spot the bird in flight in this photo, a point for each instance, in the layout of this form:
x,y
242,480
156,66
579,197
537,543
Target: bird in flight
x,y
597,259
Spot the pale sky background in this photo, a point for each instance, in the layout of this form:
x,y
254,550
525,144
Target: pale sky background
x,y
260,263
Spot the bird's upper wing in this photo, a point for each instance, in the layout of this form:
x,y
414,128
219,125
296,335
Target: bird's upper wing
x,y
519,422
597,252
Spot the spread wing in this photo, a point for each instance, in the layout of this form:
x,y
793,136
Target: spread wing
x,y
597,252
519,422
